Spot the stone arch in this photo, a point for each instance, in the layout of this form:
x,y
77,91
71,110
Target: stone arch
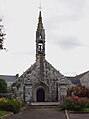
x,y
42,87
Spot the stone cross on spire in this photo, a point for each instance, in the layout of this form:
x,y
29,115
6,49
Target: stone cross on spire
x,y
40,7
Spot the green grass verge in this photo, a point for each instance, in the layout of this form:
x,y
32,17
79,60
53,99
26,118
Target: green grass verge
x,y
86,109
3,113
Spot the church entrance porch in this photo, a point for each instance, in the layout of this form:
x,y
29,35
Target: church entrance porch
x,y
40,95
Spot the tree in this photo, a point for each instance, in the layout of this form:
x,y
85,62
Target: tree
x,y
1,36
3,86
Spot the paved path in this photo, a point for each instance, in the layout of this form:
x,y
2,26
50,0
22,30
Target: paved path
x,y
79,116
40,113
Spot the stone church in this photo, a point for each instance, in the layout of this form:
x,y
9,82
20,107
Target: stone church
x,y
41,82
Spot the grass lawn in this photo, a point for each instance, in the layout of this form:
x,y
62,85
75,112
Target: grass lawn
x,y
86,109
2,113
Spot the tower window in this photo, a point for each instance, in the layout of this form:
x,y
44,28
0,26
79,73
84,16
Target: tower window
x,y
40,37
40,47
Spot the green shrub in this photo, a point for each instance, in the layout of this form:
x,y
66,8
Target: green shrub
x,y
3,113
3,86
13,105
3,101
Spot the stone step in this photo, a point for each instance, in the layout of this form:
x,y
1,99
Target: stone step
x,y
44,104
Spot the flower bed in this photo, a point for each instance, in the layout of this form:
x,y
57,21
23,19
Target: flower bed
x,y
13,105
74,103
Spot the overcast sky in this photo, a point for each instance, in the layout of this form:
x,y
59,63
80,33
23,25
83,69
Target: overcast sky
x,y
67,34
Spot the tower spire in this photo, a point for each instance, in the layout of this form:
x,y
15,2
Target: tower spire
x,y
40,37
40,24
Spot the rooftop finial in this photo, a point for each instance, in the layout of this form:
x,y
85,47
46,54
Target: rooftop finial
x,y
40,7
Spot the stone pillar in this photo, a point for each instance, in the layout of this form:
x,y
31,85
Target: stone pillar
x,y
28,92
62,90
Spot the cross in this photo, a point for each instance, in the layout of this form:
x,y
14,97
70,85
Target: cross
x,y
40,7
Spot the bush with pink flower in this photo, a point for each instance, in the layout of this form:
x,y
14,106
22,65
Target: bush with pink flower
x,y
78,90
78,98
74,103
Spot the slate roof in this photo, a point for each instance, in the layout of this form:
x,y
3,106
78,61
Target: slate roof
x,y
8,78
76,79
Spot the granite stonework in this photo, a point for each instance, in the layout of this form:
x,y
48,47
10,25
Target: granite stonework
x,y
41,82
54,83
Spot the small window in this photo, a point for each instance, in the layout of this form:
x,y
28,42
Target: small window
x,y
40,47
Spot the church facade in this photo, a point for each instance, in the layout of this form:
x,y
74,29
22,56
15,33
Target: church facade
x,y
41,82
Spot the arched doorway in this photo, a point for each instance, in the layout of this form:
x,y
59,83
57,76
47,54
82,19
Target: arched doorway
x,y
40,95
37,90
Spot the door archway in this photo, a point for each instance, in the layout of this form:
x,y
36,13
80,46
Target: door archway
x,y
40,95
37,89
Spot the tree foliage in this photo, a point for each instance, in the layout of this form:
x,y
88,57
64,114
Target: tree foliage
x,y
2,34
3,86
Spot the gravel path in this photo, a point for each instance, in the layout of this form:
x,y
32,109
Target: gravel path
x,y
40,113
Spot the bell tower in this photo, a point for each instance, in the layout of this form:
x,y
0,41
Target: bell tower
x,y
40,38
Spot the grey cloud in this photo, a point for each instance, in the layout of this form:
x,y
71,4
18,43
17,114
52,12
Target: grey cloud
x,y
77,12
74,4
67,43
23,53
55,21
